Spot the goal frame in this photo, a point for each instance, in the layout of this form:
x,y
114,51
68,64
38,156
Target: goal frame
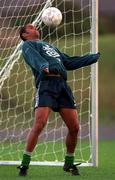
x,y
94,77
94,97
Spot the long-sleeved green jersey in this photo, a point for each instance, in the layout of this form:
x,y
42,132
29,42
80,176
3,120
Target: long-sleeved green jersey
x,y
40,55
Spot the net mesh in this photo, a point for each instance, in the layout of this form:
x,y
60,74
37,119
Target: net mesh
x,y
17,90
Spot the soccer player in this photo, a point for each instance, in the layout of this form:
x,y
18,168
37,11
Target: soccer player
x,y
49,67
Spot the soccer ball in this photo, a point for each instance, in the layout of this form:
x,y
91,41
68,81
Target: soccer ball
x,y
51,16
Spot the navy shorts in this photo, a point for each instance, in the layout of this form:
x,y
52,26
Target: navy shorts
x,y
55,93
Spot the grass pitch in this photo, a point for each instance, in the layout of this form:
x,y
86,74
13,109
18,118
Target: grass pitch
x,y
105,170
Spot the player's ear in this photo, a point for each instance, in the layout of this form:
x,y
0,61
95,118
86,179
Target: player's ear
x,y
25,35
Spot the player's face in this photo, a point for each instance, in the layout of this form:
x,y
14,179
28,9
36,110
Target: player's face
x,y
31,32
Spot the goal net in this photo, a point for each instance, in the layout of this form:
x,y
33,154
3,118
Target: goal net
x,y
76,35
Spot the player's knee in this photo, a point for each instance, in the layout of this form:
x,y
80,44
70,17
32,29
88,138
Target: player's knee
x,y
38,127
75,129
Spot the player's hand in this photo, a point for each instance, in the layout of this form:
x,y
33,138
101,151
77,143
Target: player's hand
x,y
46,70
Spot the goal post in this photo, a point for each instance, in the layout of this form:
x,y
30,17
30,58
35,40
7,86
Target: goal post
x,y
76,35
94,73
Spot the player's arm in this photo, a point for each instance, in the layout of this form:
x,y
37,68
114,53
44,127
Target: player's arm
x,y
34,59
76,62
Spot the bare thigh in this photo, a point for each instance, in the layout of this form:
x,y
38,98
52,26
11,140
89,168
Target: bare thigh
x,y
70,117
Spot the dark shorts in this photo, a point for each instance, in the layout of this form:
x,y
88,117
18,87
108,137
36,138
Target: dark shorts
x,y
55,93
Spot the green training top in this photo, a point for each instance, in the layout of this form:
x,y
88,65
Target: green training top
x,y
40,55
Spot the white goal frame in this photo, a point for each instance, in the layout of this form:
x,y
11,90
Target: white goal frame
x,y
94,74
94,84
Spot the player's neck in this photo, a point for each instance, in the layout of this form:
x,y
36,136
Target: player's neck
x,y
34,39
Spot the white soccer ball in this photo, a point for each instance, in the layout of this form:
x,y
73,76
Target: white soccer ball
x,y
51,16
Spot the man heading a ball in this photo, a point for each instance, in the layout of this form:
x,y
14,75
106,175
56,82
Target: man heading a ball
x,y
49,67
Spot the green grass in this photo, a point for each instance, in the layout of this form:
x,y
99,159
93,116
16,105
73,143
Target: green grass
x,y
105,170
106,78
12,151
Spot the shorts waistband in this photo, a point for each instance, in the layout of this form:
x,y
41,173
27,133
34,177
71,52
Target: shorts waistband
x,y
52,77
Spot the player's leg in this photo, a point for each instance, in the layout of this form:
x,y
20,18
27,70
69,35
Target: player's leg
x,y
70,118
41,116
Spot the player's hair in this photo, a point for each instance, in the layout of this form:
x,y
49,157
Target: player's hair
x,y
22,30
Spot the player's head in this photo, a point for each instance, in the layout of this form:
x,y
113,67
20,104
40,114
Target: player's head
x,y
29,32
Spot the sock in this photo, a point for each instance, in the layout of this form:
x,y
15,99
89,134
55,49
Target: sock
x,y
69,159
26,159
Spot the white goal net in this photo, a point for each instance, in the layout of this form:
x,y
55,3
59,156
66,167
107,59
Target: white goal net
x,y
76,35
